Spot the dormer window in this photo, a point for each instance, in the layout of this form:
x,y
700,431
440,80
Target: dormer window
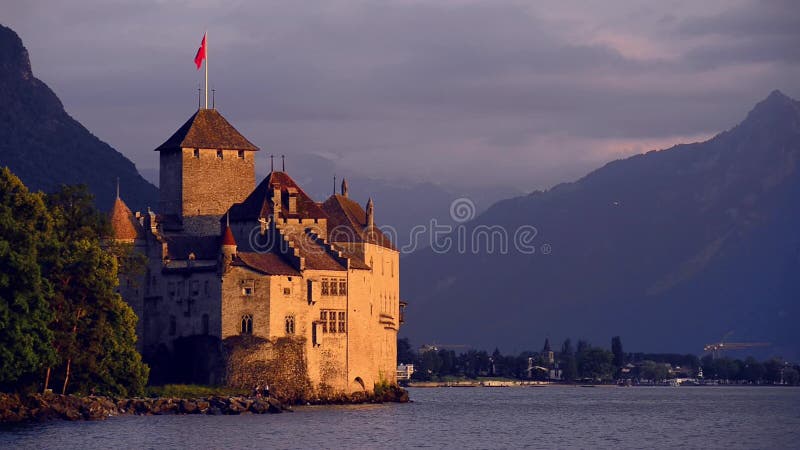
x,y
292,200
219,154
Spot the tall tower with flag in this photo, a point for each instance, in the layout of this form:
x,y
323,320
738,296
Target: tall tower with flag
x,y
205,167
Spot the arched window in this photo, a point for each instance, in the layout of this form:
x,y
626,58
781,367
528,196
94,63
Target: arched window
x,y
247,324
289,324
205,323
173,326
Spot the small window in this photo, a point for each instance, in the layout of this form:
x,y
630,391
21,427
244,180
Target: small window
x,y
219,154
287,291
205,323
333,289
173,326
195,288
248,291
241,154
247,324
171,290
323,318
325,289
342,322
342,287
289,324
205,288
197,153
332,322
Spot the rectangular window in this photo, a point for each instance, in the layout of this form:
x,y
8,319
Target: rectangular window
x,y
181,289
289,324
205,288
219,154
332,321
323,318
241,154
287,291
333,288
197,153
248,287
342,322
325,290
342,287
171,290
195,288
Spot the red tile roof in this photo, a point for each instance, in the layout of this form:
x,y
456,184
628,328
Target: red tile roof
x,y
207,129
266,263
347,222
227,237
258,203
316,256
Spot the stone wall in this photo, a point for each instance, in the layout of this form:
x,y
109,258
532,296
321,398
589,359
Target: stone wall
x,y
281,363
212,184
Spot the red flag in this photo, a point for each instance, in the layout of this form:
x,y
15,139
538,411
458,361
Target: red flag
x,y
201,53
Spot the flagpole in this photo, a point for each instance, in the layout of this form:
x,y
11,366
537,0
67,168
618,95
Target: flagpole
x,y
206,58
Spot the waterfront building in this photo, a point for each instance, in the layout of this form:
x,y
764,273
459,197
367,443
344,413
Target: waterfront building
x,y
247,283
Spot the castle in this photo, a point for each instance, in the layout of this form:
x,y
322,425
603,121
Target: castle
x,y
247,284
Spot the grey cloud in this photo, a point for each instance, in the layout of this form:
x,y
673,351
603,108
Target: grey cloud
x,y
412,90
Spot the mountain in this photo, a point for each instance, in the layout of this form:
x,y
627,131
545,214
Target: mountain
x,y
399,205
46,147
670,250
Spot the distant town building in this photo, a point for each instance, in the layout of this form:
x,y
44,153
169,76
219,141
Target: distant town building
x,y
404,372
247,283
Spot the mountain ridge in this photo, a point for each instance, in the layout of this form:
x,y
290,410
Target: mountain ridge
x,y
46,147
631,235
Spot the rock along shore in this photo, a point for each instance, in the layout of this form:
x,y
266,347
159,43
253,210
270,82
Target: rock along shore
x,y
41,407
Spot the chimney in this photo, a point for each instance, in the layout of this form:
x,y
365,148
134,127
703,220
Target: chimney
x,y
276,200
292,200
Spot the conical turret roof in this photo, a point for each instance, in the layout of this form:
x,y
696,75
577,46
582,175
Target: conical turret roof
x,y
123,224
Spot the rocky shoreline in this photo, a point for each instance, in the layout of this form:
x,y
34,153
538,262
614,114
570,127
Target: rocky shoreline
x,y
16,408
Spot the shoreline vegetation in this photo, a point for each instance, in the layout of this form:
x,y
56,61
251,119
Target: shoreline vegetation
x,y
207,400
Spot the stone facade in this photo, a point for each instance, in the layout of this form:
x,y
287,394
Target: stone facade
x,y
260,284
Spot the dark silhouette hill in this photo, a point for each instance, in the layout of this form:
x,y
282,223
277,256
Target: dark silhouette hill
x,y
46,147
671,250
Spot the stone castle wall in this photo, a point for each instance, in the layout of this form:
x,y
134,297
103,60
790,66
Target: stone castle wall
x,y
212,184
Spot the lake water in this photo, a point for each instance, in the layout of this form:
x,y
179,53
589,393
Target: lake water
x,y
541,417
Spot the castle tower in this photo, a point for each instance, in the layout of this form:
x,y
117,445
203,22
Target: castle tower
x,y
205,167
228,248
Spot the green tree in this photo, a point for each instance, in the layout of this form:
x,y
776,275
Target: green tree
x,y
25,339
752,370
405,355
597,364
616,349
94,328
569,367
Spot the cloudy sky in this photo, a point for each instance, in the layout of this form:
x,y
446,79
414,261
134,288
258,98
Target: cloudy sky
x,y
523,94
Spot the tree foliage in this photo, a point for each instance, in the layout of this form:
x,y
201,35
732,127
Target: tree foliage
x,y
24,312
61,318
94,328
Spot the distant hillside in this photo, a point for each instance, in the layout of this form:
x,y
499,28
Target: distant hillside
x,y
46,147
401,205
671,249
